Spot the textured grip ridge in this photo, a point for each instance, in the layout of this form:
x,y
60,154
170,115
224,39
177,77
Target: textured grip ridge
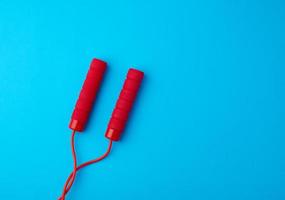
x,y
124,104
87,95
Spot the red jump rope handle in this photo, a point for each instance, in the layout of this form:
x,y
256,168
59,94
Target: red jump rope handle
x,y
87,95
124,104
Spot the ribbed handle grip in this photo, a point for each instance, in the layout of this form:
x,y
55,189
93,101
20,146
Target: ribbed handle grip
x,y
87,95
124,104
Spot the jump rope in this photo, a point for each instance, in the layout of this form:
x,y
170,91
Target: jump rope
x,y
83,108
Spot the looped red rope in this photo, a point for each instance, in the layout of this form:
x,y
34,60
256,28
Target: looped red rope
x,y
70,180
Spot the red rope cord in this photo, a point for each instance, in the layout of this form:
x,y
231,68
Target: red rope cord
x,y
69,182
89,163
74,163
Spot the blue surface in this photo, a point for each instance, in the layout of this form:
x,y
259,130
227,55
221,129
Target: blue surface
x,y
208,123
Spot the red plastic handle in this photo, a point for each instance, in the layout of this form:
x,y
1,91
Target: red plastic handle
x,y
124,104
87,95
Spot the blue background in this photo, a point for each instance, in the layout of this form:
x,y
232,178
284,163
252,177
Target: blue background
x,y
208,122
